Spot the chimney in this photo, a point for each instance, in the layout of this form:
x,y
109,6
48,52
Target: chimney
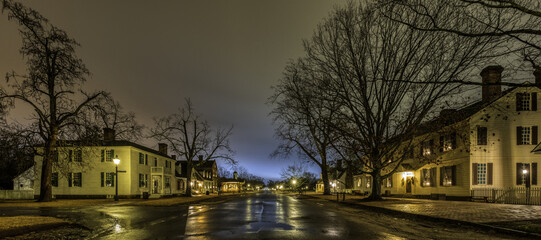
x,y
491,77
200,157
162,148
537,74
235,175
108,134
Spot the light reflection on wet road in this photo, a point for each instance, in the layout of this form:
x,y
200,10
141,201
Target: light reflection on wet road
x,y
271,216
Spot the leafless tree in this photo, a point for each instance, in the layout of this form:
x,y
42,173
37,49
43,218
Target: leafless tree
x,y
51,86
516,21
374,66
105,112
189,136
304,117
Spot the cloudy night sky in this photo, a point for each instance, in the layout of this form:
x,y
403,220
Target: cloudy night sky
x,y
223,55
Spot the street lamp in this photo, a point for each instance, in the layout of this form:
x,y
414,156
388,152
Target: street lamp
x,y
116,161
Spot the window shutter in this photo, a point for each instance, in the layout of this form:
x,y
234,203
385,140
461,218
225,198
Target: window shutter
x,y
534,135
433,172
431,143
442,141
102,155
453,140
453,172
534,173
518,102
69,179
146,159
113,179
70,155
112,155
81,181
441,175
534,101
519,135
474,173
489,173
519,177
102,179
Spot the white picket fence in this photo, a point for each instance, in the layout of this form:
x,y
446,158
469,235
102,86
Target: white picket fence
x,y
16,194
515,195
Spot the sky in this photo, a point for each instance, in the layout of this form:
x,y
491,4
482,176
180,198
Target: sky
x,y
151,55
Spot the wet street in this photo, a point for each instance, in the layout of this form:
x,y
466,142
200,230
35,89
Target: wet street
x,y
253,216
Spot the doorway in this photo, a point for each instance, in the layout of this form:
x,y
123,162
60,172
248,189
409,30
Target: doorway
x,y
408,184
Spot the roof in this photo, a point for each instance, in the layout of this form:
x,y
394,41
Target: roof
x,y
113,143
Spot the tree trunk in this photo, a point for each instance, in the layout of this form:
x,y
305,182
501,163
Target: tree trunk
x,y
325,179
188,179
46,190
375,195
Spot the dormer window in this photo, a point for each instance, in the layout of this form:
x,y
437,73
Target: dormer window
x,y
526,101
447,142
427,147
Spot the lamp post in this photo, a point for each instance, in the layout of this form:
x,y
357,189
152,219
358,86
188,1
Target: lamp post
x,y
116,161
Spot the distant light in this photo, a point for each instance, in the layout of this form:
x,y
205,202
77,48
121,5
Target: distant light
x,y
116,160
294,181
524,171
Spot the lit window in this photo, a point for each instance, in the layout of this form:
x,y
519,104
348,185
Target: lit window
x,y
526,133
481,173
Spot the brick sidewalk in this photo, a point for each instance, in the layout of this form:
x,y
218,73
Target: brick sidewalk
x,y
474,212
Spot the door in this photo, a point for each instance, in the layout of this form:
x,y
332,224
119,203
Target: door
x,y
156,184
408,184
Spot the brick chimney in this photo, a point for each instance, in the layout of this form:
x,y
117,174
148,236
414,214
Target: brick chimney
x,y
162,148
491,77
537,74
108,134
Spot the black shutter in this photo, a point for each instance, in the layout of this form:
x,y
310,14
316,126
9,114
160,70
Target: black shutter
x,y
113,179
474,173
453,177
453,140
442,142
518,101
102,155
534,173
441,175
112,154
489,173
519,135
519,177
69,179
81,181
534,135
70,155
534,101
102,179
431,143
433,172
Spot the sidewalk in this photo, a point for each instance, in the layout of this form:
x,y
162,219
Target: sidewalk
x,y
525,218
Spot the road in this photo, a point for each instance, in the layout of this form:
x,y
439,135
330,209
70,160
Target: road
x,y
255,216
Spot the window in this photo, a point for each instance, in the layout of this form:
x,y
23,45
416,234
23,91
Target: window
x,y
481,173
75,180
448,176
167,164
427,147
482,136
143,180
167,182
155,162
388,182
78,155
526,101
428,177
54,179
527,135
359,182
526,175
368,182
107,155
108,179
447,142
141,158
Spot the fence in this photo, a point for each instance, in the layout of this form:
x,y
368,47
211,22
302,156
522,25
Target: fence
x,y
16,194
516,195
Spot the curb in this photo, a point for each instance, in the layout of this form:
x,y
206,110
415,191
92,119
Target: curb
x,y
431,218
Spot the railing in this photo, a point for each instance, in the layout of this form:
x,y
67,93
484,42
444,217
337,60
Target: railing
x,y
516,195
161,170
